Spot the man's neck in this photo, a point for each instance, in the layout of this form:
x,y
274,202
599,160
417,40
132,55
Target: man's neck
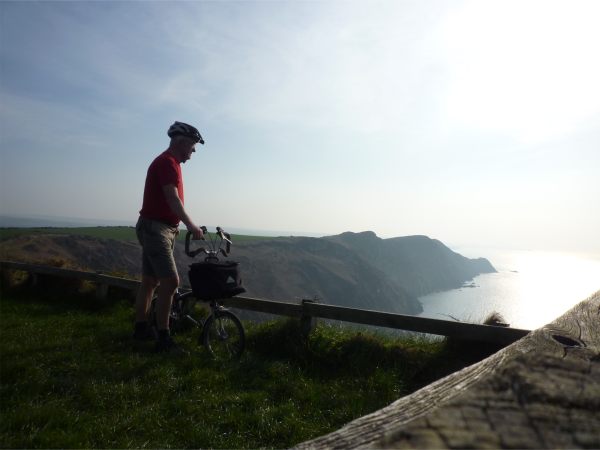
x,y
173,151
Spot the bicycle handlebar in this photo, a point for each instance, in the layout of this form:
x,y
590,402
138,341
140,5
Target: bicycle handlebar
x,y
191,254
225,237
211,252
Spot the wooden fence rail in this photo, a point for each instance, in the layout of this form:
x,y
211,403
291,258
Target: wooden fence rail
x,y
307,310
103,281
463,330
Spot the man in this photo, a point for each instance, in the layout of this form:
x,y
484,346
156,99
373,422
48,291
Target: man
x,y
157,228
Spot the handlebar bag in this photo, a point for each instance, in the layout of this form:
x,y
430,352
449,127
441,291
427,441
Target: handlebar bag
x,y
212,280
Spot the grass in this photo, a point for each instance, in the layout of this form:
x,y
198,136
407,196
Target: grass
x,y
72,377
116,232
109,232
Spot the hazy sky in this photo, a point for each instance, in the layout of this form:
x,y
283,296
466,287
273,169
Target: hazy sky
x,y
473,122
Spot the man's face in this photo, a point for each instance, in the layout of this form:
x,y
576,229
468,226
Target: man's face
x,y
188,146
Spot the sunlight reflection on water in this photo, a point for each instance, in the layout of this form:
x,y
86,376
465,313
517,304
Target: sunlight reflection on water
x,y
530,289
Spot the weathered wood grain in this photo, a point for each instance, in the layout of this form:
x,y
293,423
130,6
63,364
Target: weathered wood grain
x,y
543,391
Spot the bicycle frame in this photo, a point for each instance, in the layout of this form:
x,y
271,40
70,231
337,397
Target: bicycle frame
x,y
176,309
179,297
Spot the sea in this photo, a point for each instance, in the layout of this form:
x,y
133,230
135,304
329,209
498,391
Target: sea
x,y
530,289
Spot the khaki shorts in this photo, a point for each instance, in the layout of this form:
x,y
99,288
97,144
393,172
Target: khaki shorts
x,y
157,240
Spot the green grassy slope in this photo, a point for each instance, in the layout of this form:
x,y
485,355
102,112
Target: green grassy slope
x,y
121,233
72,377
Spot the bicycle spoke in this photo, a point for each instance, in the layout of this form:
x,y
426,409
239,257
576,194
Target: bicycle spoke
x,y
224,335
194,321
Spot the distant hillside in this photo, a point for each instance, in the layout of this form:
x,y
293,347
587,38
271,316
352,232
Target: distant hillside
x,y
352,269
419,264
302,267
74,251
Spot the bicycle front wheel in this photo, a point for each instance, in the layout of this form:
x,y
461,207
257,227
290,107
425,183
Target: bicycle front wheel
x,y
223,335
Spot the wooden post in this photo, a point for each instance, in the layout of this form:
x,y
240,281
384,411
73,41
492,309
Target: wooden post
x,y
307,322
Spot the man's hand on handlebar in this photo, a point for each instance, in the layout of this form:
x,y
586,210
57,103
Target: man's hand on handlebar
x,y
214,246
197,232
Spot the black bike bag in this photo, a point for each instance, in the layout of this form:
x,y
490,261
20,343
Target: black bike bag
x,y
212,280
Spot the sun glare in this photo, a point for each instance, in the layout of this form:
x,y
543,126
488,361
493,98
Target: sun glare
x,y
531,74
549,281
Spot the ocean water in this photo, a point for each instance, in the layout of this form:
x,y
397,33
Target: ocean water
x,y
531,288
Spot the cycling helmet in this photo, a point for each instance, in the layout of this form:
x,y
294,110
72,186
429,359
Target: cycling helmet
x,y
183,129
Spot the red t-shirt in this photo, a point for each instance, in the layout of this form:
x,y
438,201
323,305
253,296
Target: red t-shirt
x,y
164,170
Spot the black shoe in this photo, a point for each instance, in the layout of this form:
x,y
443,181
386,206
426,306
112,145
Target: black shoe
x,y
144,332
168,346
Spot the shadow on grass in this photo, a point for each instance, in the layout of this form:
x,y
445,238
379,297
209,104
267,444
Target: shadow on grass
x,y
331,352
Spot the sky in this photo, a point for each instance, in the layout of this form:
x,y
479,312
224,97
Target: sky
x,y
472,122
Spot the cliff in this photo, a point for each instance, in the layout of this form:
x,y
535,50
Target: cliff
x,y
417,263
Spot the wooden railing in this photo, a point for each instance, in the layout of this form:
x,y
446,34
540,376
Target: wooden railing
x,y
306,310
102,281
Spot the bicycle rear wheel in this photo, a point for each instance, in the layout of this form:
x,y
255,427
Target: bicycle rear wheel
x,y
223,335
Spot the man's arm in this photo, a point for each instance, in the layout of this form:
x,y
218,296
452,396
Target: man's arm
x,y
176,206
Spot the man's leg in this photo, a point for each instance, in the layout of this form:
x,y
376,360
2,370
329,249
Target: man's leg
x,y
144,297
142,308
166,289
147,286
